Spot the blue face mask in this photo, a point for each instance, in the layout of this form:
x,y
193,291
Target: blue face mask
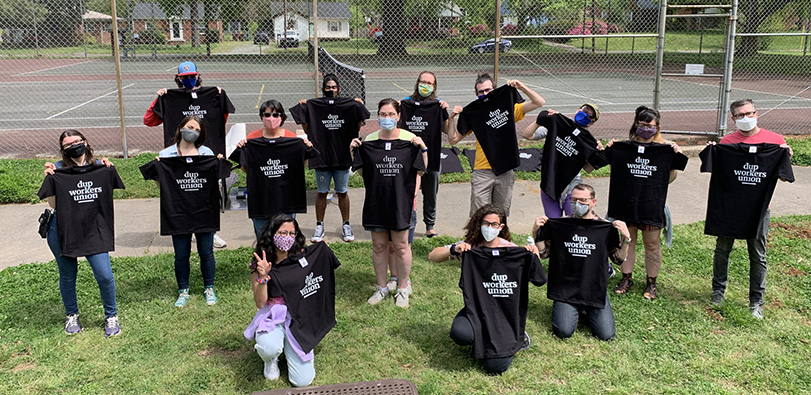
x,y
582,119
482,96
387,124
189,83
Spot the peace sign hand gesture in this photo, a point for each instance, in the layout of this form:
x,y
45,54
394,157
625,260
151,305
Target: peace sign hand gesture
x,y
262,265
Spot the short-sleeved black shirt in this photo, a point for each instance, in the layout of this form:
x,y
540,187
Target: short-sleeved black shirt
x,y
332,123
426,119
449,158
530,159
568,148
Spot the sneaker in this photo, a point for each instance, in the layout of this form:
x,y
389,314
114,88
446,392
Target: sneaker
x,y
650,289
611,271
209,294
401,299
346,232
272,369
219,242
392,284
111,327
378,296
624,284
430,233
182,297
757,310
318,235
72,325
527,342
717,299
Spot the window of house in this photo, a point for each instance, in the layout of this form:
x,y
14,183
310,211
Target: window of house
x,y
176,32
334,26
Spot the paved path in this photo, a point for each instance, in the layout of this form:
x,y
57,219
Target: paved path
x,y
137,220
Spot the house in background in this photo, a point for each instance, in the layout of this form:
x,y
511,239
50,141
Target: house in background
x,y
177,28
333,19
99,26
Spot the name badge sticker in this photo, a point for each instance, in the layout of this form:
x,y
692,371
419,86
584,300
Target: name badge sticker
x,y
303,262
332,102
753,150
640,149
189,160
495,253
388,146
416,103
576,132
194,95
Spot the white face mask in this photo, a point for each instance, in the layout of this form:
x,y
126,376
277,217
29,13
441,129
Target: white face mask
x,y
746,124
489,233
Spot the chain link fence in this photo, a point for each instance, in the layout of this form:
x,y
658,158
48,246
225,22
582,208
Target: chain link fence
x,y
58,68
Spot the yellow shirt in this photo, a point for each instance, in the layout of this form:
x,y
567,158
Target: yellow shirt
x,y
481,162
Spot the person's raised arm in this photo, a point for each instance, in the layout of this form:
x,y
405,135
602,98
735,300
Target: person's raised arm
x,y
450,126
259,280
529,132
443,253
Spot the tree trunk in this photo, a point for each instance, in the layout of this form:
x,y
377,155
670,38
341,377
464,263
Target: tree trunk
x,y
394,29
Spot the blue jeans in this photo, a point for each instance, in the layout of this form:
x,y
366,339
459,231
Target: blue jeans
x,y
205,247
462,333
757,262
269,345
566,315
69,267
259,223
324,176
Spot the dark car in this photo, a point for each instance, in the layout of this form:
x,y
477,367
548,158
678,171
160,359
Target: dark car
x,y
261,38
489,45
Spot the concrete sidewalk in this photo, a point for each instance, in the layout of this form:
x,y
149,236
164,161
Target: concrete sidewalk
x,y
137,220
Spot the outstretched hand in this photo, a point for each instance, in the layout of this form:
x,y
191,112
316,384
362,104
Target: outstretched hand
x,y
262,265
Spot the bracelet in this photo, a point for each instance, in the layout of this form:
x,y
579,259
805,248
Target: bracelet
x,y
264,280
424,150
453,250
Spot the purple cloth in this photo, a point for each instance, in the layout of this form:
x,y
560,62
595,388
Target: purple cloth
x,y
269,318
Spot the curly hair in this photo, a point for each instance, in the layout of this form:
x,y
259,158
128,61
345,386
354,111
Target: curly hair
x,y
265,241
473,236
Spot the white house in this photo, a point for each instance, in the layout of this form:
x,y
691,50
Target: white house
x,y
333,19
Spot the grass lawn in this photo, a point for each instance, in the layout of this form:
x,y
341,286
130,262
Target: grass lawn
x,y
675,344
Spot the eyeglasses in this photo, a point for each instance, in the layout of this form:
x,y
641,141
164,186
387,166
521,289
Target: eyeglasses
x,y
287,233
494,225
387,114
71,144
589,112
187,77
749,114
581,200
484,91
269,114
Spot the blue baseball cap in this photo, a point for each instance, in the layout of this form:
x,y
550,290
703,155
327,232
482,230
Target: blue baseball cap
x,y
186,68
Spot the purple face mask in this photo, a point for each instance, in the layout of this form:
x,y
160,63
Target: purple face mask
x,y
284,243
645,132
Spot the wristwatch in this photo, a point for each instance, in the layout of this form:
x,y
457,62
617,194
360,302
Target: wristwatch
x,y
627,241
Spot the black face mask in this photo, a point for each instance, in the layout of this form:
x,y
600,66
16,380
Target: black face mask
x,y
330,94
76,151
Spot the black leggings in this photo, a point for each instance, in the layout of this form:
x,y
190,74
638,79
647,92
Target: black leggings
x,y
462,334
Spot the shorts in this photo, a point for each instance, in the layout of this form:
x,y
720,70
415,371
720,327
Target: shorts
x,y
644,227
411,227
323,177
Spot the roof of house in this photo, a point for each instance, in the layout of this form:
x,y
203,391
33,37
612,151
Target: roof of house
x,y
94,16
325,9
154,11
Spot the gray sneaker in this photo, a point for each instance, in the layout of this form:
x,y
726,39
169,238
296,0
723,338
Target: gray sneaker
x,y
111,327
72,325
392,284
401,299
380,294
527,342
318,235
757,310
717,299
346,232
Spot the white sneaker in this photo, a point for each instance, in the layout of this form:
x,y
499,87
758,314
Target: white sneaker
x,y
392,286
346,232
318,235
378,296
219,242
401,299
272,369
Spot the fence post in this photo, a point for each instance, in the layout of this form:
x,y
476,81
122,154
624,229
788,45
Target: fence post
x,y
498,42
36,33
660,54
117,60
315,44
726,84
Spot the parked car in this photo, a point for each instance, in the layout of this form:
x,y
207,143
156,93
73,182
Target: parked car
x,y
490,46
377,36
261,38
292,39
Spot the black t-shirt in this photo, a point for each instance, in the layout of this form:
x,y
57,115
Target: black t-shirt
x,y
579,250
449,158
639,179
495,287
332,123
426,119
307,282
275,175
390,175
84,207
530,159
568,148
210,105
492,119
190,195
471,156
741,186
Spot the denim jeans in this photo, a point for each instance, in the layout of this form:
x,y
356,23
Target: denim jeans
x,y
205,247
69,267
269,345
757,262
462,334
430,188
565,317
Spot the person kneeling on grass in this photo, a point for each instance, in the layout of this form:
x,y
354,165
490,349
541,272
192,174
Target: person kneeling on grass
x,y
578,247
289,280
495,282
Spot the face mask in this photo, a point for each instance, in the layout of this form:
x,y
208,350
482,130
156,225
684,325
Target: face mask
x,y
746,124
387,124
425,90
189,83
482,96
645,132
330,94
284,243
189,135
76,151
582,119
489,233
580,209
272,122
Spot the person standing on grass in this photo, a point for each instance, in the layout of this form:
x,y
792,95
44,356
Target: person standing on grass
x,y
331,122
80,187
755,214
211,104
578,247
189,203
492,118
390,161
427,117
294,290
495,279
